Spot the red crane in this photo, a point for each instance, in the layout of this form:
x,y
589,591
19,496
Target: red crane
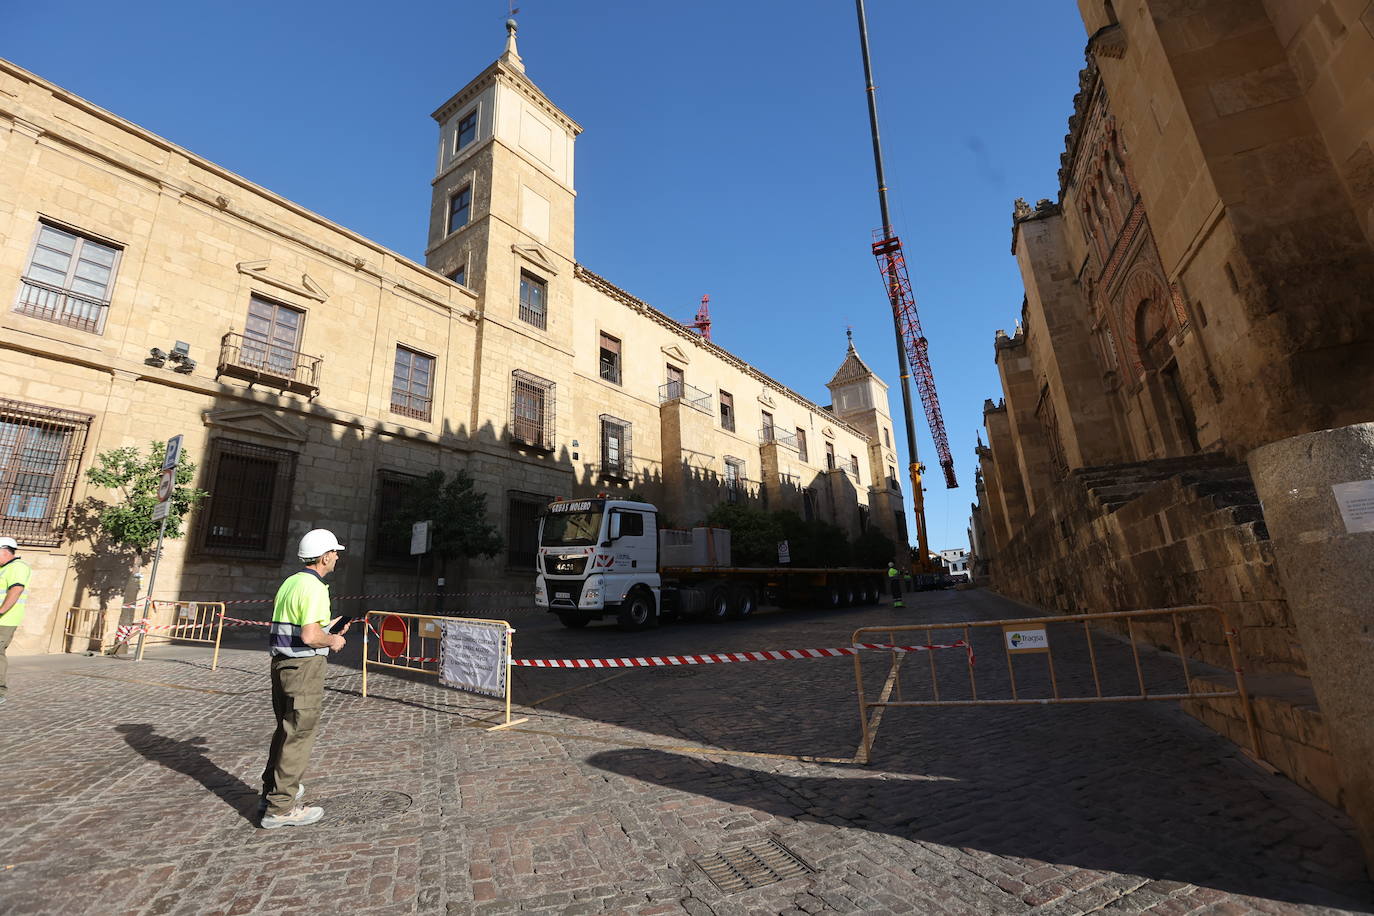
x,y
912,348
892,263
702,322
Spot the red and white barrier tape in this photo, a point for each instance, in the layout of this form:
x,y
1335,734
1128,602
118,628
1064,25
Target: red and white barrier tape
x,y
720,658
527,593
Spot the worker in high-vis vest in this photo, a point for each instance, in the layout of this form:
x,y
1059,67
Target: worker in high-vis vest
x,y
14,591
894,579
300,641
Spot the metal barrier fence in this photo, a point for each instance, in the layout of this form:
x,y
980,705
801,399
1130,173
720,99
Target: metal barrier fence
x,y
85,624
399,635
185,621
1031,636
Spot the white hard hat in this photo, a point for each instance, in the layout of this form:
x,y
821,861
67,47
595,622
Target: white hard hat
x,y
11,543
317,543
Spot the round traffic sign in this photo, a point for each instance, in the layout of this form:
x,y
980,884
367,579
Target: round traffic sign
x,y
166,485
393,635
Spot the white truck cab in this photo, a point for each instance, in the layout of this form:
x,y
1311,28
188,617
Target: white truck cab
x,y
599,557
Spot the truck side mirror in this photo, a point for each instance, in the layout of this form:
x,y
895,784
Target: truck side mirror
x,y
613,533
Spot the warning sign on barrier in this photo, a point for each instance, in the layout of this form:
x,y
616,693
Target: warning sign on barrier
x,y
393,635
474,656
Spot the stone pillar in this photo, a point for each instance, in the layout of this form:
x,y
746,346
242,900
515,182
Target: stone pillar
x,y
1326,562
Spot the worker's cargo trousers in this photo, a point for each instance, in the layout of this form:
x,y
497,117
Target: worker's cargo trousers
x,y
297,693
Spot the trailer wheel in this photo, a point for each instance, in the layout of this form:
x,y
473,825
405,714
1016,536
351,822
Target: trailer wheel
x,y
744,602
718,604
828,596
573,621
638,611
848,594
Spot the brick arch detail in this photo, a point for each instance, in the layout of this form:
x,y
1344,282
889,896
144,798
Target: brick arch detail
x,y
1142,286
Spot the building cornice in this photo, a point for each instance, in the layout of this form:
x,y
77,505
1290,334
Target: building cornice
x,y
603,285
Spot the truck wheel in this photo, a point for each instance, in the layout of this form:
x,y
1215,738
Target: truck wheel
x,y
638,611
572,621
745,602
718,604
848,595
828,596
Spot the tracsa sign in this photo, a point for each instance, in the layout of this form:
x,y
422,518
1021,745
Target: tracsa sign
x,y
581,505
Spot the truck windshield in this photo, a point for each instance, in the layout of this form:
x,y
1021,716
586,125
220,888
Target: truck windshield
x,y
570,529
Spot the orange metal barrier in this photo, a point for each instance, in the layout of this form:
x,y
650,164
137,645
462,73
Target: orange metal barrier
x,y
184,621
418,650
1030,636
85,624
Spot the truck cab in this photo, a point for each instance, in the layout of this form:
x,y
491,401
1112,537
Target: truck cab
x,y
598,557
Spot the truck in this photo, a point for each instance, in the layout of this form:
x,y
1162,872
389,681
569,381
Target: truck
x,y
607,557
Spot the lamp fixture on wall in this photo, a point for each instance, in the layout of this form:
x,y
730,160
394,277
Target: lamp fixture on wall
x,y
180,356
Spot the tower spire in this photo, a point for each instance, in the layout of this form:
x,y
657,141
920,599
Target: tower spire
x,y
511,55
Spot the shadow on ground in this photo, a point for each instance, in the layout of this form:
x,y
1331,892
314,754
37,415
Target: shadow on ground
x,y
188,757
1092,827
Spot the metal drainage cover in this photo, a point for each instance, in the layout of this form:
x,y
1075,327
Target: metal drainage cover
x,y
753,865
356,809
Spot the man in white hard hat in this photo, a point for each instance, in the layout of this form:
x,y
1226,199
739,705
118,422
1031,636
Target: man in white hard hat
x,y
300,643
14,586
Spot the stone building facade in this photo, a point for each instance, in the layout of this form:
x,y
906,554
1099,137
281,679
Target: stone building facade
x,y
322,371
1203,285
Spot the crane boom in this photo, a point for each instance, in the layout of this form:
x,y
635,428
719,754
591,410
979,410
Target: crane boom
x,y
906,326
887,248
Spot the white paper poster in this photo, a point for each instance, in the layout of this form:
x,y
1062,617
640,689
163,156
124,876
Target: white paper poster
x,y
472,656
1356,501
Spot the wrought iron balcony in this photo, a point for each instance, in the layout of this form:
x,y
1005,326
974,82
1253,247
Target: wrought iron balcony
x,y
781,437
61,306
694,398
259,362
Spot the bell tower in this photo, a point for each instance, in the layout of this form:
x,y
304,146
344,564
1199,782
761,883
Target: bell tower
x,y
501,213
859,398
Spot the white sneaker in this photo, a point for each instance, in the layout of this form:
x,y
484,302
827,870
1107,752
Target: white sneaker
x,y
298,816
262,802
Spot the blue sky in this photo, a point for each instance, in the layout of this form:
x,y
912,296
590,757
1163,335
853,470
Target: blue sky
x,y
726,149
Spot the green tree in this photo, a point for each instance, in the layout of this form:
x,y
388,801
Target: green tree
x,y
754,534
458,514
873,548
127,522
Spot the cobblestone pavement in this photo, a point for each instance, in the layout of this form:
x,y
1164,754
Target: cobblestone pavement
x,y
130,788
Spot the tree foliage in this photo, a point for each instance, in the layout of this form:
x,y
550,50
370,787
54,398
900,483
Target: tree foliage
x,y
873,548
458,513
754,537
128,521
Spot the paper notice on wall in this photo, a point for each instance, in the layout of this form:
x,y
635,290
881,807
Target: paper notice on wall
x,y
1356,502
473,655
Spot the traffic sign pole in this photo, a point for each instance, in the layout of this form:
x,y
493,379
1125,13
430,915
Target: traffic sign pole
x,y
166,486
152,581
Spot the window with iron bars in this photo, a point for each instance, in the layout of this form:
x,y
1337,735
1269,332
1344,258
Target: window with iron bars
x,y
392,487
533,301
40,451
531,409
246,512
734,479
68,279
616,455
412,383
522,529
610,358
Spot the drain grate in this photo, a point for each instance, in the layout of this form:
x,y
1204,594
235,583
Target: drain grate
x,y
752,865
359,809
